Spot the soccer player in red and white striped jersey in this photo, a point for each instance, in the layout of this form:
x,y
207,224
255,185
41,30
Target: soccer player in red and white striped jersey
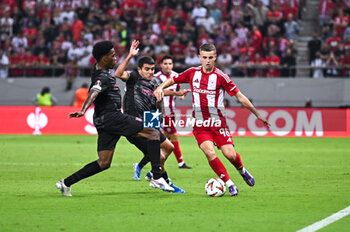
x,y
208,85
170,132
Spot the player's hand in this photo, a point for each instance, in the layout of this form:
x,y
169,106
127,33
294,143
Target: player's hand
x,y
159,94
133,48
266,123
184,92
76,114
182,97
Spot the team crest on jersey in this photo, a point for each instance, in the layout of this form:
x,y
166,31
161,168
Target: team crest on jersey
x,y
211,84
97,85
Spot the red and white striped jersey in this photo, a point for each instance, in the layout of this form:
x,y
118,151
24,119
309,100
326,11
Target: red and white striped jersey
x,y
208,91
169,101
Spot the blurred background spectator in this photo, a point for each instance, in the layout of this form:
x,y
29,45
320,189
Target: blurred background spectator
x,y
80,95
318,65
44,98
65,31
331,47
4,61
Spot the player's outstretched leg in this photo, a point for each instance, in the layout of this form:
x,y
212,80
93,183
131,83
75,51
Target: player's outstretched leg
x,y
236,161
63,188
247,177
161,184
168,180
103,163
141,144
177,189
233,190
178,153
149,176
184,166
153,147
220,170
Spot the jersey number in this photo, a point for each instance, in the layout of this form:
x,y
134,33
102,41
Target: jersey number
x,y
225,132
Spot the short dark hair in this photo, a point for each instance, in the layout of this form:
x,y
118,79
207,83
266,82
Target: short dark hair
x,y
145,60
101,48
208,47
45,90
166,58
85,85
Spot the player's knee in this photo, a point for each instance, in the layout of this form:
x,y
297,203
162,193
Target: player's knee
x,y
169,148
211,155
162,158
234,154
104,164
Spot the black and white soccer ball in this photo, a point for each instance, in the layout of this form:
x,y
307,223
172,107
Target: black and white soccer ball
x,y
215,187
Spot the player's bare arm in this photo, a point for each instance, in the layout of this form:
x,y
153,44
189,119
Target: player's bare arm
x,y
247,104
89,100
180,93
120,72
159,92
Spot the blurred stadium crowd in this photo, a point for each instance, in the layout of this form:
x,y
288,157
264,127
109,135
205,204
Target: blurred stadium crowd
x,y
247,33
331,47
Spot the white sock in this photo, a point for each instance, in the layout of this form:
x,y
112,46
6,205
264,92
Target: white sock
x,y
229,183
181,163
241,171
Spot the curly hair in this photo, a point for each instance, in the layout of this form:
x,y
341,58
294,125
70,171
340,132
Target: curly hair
x,y
101,48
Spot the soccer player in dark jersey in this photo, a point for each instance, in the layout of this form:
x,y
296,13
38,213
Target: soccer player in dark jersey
x,y
138,98
110,122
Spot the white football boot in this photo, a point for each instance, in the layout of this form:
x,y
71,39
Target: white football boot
x,y
161,184
63,188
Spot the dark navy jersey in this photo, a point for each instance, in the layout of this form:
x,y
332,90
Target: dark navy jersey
x,y
139,94
109,98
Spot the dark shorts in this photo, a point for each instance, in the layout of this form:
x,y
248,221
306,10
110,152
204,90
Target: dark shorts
x,y
141,143
113,127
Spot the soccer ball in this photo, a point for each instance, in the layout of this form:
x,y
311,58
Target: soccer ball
x,y
215,187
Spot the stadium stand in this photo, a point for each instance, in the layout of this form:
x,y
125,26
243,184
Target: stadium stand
x,y
329,48
62,33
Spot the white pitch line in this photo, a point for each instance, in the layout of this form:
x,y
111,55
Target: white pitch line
x,y
323,223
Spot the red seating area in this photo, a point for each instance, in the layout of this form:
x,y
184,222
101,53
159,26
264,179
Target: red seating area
x,y
61,33
330,46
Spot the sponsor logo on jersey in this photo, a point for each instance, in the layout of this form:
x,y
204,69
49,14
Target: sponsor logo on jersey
x,y
204,91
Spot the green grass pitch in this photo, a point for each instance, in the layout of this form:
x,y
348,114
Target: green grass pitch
x,y
298,181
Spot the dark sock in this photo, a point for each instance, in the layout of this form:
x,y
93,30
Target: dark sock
x,y
88,170
144,161
165,176
154,155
